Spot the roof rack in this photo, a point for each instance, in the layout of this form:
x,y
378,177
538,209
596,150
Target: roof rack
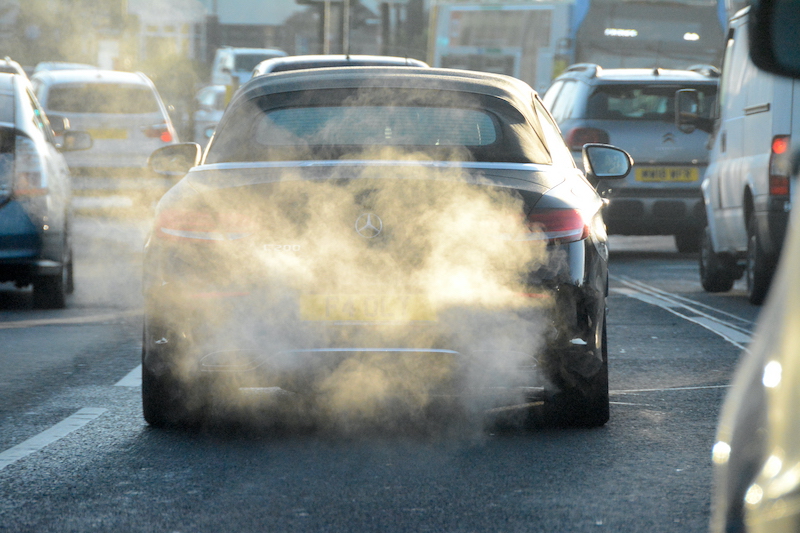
x,y
706,70
585,67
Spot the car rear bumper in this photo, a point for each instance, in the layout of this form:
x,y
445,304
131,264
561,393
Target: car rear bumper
x,y
504,355
31,240
654,211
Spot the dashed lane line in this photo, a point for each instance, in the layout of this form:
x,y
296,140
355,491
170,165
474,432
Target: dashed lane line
x,y
49,436
133,379
66,321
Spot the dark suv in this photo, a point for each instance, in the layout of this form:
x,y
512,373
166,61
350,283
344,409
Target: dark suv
x,y
634,109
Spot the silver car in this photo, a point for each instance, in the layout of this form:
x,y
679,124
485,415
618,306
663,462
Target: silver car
x,y
127,120
35,242
634,109
211,102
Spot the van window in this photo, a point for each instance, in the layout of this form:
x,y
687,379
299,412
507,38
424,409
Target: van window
x,y
101,98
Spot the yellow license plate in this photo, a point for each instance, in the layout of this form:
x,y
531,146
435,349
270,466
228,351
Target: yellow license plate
x,y
366,308
109,133
675,174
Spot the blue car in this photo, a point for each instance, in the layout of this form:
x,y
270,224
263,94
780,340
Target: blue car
x,y
35,246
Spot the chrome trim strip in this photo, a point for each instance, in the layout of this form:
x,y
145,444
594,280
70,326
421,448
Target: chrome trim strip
x,y
387,350
530,167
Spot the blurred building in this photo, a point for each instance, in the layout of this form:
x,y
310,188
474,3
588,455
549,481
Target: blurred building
x,y
299,26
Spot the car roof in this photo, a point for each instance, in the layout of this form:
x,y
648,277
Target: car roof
x,y
245,50
89,76
10,66
507,88
331,60
588,71
62,65
7,83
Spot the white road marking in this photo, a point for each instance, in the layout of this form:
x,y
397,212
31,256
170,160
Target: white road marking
x,y
49,436
68,320
133,379
732,328
666,389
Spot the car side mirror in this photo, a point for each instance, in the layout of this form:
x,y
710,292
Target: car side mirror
x,y
605,162
72,141
686,104
175,159
58,123
774,39
687,116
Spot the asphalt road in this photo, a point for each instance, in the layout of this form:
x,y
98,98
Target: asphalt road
x,y
76,455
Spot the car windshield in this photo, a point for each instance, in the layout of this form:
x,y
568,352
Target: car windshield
x,y
101,98
642,102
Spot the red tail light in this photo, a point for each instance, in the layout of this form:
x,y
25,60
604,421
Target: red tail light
x,y
577,137
28,179
559,225
205,226
780,165
159,131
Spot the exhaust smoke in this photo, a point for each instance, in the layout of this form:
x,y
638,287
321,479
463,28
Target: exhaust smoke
x,y
430,308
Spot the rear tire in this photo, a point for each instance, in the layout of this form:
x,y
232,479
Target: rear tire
x,y
717,271
69,288
759,268
585,406
167,401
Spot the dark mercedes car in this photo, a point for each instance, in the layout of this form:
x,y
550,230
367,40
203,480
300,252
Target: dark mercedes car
x,y
373,242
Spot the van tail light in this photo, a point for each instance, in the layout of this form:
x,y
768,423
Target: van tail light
x,y
558,225
202,226
158,131
780,165
28,176
577,137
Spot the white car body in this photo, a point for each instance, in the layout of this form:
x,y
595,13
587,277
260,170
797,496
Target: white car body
x,y
124,132
234,66
744,206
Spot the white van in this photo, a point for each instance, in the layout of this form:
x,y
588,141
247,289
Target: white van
x,y
746,184
234,66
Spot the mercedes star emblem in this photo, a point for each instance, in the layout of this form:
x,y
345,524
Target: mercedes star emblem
x,y
369,225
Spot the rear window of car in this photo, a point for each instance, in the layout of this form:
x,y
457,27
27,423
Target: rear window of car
x,y
645,102
377,123
6,108
112,98
376,126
